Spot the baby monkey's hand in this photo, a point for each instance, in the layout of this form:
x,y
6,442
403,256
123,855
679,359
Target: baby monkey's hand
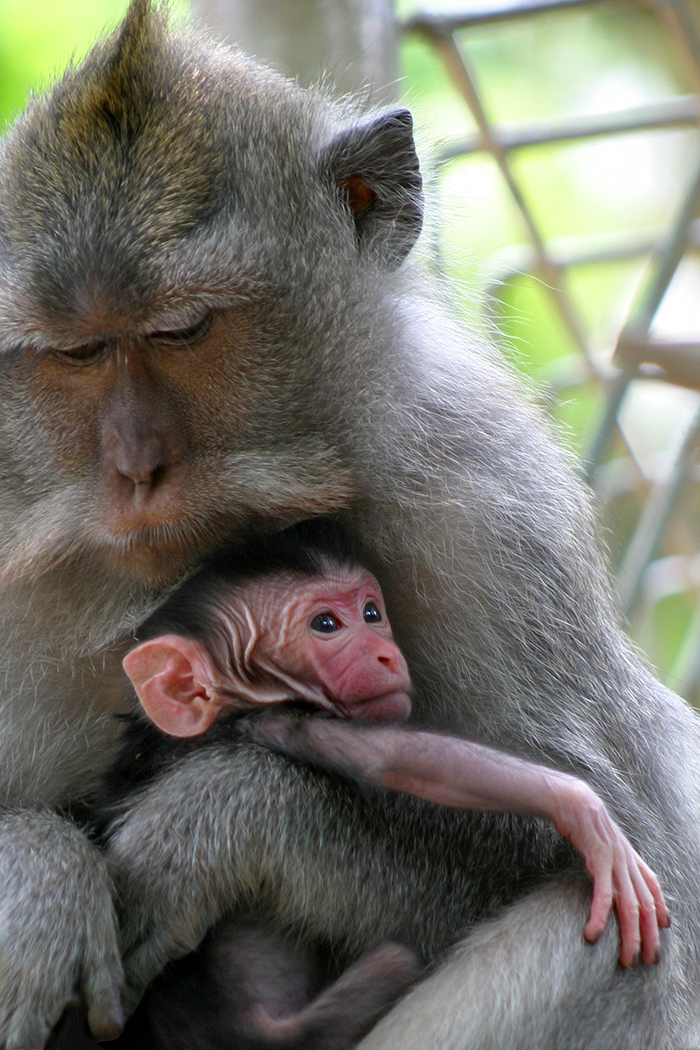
x,y
621,879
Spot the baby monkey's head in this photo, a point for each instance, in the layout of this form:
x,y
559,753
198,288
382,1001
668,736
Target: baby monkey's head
x,y
293,617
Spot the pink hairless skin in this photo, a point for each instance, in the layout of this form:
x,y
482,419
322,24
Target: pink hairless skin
x,y
327,640
323,639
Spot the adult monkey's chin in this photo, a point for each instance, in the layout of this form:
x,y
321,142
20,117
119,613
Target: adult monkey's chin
x,y
158,556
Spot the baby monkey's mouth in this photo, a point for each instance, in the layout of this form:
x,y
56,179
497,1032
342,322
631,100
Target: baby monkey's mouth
x,y
393,707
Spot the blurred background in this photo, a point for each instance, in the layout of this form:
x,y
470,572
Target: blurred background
x,y
563,143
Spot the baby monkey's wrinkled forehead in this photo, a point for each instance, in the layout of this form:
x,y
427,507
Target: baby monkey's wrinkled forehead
x,y
279,609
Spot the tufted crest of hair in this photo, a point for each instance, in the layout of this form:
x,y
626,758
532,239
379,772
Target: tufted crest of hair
x,y
127,155
137,181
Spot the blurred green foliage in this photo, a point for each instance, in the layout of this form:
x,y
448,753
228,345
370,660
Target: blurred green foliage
x,y
569,63
593,60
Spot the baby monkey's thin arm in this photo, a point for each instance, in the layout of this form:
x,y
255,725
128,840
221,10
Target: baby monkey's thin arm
x,y
465,775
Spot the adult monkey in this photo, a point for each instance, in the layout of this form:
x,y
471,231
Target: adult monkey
x,y
207,322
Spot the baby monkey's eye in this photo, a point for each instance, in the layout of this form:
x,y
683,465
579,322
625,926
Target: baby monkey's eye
x,y
371,613
325,623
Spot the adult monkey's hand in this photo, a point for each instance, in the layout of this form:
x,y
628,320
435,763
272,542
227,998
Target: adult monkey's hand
x,y
58,931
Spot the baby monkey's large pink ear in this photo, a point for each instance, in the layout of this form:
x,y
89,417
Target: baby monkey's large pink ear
x,y
174,679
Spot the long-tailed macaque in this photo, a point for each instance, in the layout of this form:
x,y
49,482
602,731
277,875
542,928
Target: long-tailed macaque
x,y
211,320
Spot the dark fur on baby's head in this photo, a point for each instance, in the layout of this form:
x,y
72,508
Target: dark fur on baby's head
x,y
307,548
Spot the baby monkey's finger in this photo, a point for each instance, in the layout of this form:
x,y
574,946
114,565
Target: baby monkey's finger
x,y
628,913
601,903
663,915
648,924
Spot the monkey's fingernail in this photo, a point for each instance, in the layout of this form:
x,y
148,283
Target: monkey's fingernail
x,y
106,1019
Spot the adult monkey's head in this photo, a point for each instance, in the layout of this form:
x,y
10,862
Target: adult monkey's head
x,y
192,253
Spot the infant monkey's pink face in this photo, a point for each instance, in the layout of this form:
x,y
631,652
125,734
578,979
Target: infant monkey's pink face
x,y
334,631
323,639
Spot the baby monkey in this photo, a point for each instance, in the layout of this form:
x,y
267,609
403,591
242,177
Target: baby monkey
x,y
297,618
308,625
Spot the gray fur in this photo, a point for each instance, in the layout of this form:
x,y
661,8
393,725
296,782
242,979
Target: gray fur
x,y
166,176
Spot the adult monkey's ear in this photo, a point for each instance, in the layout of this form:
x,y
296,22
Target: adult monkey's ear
x,y
374,168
